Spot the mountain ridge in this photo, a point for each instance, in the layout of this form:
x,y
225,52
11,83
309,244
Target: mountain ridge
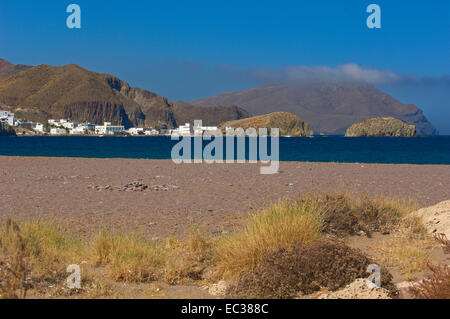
x,y
329,108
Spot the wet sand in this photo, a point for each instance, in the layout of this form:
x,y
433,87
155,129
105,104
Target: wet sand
x,y
218,197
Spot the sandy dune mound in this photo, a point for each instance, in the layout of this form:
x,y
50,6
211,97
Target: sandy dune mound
x,y
436,218
359,289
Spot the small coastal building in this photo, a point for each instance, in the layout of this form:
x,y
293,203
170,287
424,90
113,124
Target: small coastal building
x,y
109,129
24,124
68,125
88,127
79,130
39,127
151,132
136,131
54,123
199,129
57,131
184,130
7,117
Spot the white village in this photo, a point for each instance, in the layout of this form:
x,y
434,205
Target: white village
x,y
58,127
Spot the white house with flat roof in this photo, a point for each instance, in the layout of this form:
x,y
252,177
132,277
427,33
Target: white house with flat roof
x,y
79,130
199,129
108,129
68,125
151,132
57,131
39,127
54,123
136,131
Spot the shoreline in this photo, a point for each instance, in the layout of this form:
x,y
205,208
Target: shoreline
x,y
259,163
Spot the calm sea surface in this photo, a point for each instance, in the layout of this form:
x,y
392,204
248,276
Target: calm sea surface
x,y
423,150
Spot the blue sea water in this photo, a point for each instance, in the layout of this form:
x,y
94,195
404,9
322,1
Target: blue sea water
x,y
423,150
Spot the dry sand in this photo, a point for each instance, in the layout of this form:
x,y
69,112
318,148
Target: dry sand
x,y
218,196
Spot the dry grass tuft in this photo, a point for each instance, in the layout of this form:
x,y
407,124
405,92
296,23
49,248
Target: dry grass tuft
x,y
14,269
187,259
282,225
129,258
44,246
409,256
347,214
407,249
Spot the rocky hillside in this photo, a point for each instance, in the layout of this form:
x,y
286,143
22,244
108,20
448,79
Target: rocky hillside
x,y
6,130
7,69
43,92
288,123
330,108
381,127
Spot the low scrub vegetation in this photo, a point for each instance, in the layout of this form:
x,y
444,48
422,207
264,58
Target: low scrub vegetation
x,y
437,284
129,258
345,214
283,243
305,269
282,225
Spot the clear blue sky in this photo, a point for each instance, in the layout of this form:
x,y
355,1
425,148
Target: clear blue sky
x,y
192,49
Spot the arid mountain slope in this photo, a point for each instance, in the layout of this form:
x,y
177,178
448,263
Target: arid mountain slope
x,y
7,69
42,92
330,108
210,115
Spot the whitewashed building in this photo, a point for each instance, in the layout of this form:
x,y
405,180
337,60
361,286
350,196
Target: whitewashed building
x,y
57,131
88,127
184,130
108,129
7,117
151,132
79,130
39,127
68,124
199,129
136,131
54,123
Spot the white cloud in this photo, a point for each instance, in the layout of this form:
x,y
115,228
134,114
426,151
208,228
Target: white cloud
x,y
350,72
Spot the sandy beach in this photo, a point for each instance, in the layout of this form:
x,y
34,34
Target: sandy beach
x,y
90,194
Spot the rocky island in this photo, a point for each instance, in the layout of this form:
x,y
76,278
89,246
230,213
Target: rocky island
x,y
381,127
288,123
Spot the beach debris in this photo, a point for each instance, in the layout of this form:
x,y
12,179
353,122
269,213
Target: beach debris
x,y
164,188
136,186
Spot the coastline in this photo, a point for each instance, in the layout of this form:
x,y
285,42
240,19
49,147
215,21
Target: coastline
x,y
85,192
